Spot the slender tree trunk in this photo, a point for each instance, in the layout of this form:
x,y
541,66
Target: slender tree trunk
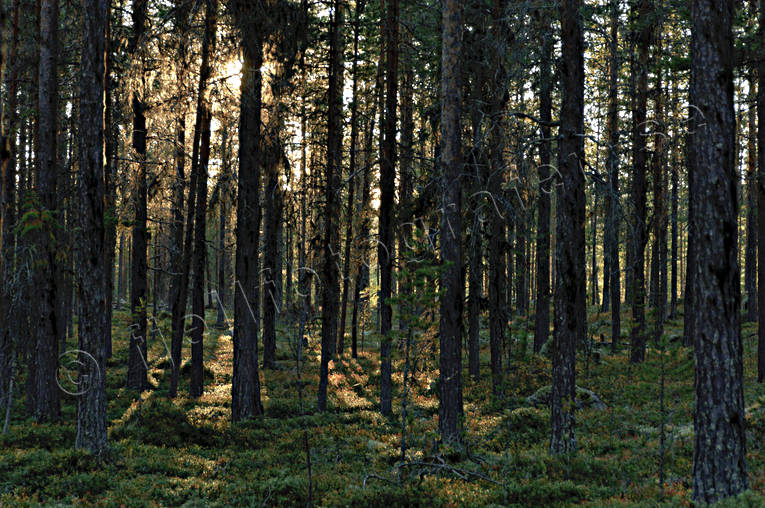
x,y
220,323
450,361
570,298
542,317
137,359
386,247
404,215
245,384
272,215
761,206
750,275
178,306
659,257
639,185
7,205
110,177
200,241
719,458
91,263
119,271
331,241
612,194
349,239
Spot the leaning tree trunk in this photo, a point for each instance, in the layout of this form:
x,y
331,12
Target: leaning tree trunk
x,y
719,457
91,263
570,303
450,327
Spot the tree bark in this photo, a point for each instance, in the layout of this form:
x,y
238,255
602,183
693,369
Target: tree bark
x,y
719,458
750,275
611,262
45,403
570,311
450,334
200,241
386,246
331,241
761,206
137,358
639,185
542,317
245,384
91,266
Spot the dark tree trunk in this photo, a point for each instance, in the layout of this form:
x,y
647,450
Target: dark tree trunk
x,y
120,294
659,249
611,263
386,247
137,358
719,458
330,291
761,206
570,303
245,384
179,306
750,275
7,205
361,279
349,239
272,207
91,263
220,322
593,251
675,178
110,177
200,241
45,398
542,317
450,334
639,184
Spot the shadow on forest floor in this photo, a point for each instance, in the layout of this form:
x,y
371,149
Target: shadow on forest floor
x,y
186,451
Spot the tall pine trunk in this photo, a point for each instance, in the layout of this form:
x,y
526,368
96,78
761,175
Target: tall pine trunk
x,y
542,317
719,457
137,358
45,398
570,304
386,247
245,384
450,334
331,240
643,17
91,263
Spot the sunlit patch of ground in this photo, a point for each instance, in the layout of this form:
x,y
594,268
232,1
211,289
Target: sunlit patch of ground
x,y
167,453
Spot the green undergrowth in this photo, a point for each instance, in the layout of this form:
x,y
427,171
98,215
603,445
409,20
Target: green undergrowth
x,y
185,452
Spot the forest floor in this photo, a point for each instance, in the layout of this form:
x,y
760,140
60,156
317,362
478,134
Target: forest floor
x,y
186,452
